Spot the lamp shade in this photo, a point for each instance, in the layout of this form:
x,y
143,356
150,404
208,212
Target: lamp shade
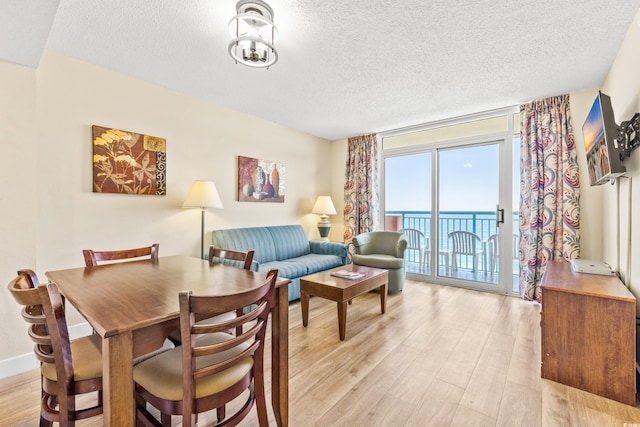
x,y
324,206
203,194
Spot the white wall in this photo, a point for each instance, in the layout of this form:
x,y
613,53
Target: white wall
x,y
623,86
18,201
46,139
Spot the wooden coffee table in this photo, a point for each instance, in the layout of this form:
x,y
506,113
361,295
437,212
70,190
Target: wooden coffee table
x,y
342,291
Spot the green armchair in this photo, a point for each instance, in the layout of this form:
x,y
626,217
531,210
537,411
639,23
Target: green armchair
x,y
382,249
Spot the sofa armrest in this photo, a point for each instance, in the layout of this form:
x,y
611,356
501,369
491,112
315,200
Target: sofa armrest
x,y
330,248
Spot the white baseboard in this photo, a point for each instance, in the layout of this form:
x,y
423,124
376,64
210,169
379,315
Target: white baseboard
x,y
28,362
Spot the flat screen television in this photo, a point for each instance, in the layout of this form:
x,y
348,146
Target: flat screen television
x,y
601,148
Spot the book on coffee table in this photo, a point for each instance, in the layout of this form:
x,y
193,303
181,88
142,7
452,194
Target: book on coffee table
x,y
347,274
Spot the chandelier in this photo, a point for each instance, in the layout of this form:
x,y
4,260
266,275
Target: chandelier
x,y
254,34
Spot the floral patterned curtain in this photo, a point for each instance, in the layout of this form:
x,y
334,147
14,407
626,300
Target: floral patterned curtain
x,y
361,186
549,190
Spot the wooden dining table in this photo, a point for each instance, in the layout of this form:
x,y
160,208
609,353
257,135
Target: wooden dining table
x,y
133,306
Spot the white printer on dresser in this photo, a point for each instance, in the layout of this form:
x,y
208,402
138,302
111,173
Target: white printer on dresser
x,y
590,267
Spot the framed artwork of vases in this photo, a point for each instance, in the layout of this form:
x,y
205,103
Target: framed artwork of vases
x,y
260,180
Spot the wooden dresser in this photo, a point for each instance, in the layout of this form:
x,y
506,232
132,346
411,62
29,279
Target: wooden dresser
x,y
588,332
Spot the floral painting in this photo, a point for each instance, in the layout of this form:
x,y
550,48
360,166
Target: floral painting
x,y
128,163
260,180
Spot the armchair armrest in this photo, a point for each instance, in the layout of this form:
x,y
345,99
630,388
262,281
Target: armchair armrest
x,y
401,246
330,248
361,244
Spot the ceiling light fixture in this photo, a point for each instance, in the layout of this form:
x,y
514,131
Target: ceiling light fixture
x,y
254,34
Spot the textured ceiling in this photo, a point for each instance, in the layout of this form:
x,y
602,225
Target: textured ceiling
x,y
345,67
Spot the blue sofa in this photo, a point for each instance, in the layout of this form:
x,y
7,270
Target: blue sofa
x,y
285,247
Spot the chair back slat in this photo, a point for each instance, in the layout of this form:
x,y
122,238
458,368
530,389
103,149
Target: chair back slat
x,y
243,258
33,313
227,363
92,258
207,350
24,291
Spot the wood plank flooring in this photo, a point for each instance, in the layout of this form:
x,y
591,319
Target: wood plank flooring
x,y
440,356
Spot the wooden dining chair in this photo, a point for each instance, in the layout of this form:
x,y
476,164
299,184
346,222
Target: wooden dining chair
x,y
219,255
227,257
92,258
234,258
212,367
68,368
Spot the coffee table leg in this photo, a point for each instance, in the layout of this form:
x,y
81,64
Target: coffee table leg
x,y
342,319
304,304
383,298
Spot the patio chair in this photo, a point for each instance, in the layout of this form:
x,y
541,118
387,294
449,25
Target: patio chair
x,y
465,243
417,241
492,242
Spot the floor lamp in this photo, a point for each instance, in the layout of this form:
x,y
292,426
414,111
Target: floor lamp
x,y
203,195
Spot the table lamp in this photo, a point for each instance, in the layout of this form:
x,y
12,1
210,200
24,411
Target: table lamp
x,y
203,194
324,207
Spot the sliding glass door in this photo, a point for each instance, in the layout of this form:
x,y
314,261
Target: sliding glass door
x,y
408,206
455,202
469,214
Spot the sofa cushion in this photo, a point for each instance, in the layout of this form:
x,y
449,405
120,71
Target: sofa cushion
x,y
290,241
317,262
287,269
243,239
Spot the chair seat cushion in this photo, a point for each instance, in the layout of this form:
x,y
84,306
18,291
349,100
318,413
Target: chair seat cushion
x,y
378,261
87,359
162,375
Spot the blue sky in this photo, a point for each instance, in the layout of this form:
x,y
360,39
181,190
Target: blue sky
x,y
468,180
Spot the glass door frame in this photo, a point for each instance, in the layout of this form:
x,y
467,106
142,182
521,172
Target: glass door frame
x,y
504,140
504,282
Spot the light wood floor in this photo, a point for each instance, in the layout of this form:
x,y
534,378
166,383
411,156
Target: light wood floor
x,y
440,356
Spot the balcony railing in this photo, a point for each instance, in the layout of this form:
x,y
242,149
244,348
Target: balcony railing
x,y
481,223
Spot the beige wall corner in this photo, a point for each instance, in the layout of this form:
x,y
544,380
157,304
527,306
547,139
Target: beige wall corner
x,y
622,201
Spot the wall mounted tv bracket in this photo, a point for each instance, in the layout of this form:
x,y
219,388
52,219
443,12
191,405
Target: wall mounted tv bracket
x,y
628,136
